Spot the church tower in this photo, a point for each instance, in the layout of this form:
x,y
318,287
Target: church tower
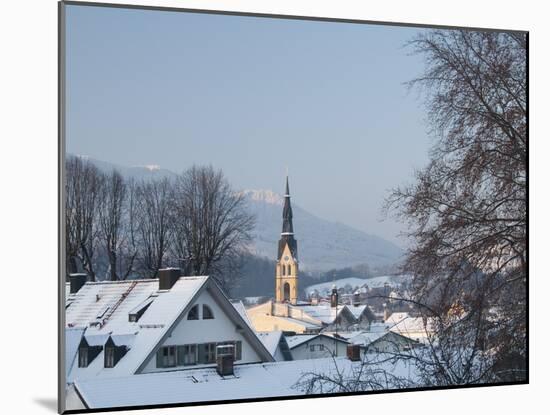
x,y
286,274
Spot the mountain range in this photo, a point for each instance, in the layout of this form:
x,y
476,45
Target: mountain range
x,y
322,245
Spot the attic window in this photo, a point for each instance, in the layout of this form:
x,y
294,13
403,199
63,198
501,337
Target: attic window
x,y
135,314
83,357
207,313
87,353
109,357
113,353
193,313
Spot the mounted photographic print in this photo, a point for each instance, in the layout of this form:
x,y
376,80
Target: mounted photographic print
x,y
258,207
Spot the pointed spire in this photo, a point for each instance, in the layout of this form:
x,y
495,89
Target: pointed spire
x,y
288,229
287,234
287,191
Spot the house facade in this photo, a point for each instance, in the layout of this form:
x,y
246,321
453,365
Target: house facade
x,y
316,346
172,323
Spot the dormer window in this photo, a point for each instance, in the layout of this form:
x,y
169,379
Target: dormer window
x,y
109,357
135,314
207,313
193,313
83,357
87,353
113,353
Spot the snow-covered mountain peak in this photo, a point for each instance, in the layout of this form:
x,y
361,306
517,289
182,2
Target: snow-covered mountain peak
x,y
265,196
151,167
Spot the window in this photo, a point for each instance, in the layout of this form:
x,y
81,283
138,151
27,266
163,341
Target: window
x,y
207,313
109,357
83,357
135,314
311,347
283,269
321,347
187,355
193,313
207,353
87,353
166,356
289,270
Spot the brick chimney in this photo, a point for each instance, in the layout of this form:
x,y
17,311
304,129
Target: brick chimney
x,y
225,359
168,277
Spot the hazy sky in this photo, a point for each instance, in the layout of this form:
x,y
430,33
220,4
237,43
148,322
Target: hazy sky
x,y
251,96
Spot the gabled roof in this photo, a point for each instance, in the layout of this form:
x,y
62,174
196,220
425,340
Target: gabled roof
x,y
271,340
327,314
239,306
299,339
115,300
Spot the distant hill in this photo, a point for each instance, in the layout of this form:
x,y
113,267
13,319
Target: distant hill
x,y
136,172
322,244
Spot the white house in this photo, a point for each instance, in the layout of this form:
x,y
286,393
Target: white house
x,y
316,346
416,328
381,340
172,323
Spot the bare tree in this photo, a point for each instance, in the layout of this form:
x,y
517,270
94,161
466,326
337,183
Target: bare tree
x,y
212,224
373,373
116,223
154,224
467,209
83,190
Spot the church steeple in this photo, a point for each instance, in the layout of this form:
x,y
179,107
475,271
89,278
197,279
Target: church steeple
x,y
286,280
288,229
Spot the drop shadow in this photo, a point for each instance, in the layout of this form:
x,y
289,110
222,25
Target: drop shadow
x,y
48,403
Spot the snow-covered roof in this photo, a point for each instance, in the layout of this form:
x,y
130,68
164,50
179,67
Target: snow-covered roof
x,y
367,337
298,339
250,381
73,336
271,340
113,301
408,326
239,306
295,341
357,310
377,282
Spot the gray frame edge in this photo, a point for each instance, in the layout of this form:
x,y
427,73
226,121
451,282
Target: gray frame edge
x,y
61,107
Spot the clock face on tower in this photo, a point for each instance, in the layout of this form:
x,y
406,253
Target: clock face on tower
x,y
286,258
